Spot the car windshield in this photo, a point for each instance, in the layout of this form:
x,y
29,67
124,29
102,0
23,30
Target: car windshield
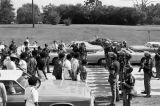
x,y
13,88
148,45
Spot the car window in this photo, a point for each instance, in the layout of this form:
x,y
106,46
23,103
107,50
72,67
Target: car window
x,y
155,45
13,88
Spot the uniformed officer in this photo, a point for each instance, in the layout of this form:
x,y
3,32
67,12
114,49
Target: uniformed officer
x,y
122,61
147,66
83,51
128,85
107,48
114,77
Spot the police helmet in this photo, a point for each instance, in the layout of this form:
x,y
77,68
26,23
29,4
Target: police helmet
x,y
128,56
129,69
147,54
112,55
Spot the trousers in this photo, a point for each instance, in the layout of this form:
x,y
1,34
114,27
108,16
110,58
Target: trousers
x,y
115,92
147,85
127,97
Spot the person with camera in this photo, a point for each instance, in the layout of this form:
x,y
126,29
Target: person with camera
x,y
147,65
114,77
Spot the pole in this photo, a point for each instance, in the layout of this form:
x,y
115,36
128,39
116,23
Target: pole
x,y
33,14
149,35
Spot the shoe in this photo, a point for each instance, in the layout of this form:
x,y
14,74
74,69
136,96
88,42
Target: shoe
x,y
118,100
144,92
148,96
49,72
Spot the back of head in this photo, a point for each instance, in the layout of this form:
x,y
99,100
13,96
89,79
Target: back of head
x,y
76,55
61,55
69,57
32,81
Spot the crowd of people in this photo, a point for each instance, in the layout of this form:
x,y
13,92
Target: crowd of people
x,y
72,66
120,69
34,61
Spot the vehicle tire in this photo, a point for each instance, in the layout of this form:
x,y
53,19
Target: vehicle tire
x,y
101,62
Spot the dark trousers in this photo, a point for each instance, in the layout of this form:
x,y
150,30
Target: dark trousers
x,y
127,97
147,85
47,63
115,92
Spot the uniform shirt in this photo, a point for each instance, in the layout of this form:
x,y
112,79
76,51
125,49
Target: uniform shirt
x,y
130,80
148,65
31,96
3,94
66,69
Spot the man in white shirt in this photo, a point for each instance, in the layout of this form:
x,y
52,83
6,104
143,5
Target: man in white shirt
x,y
55,46
66,71
75,66
1,47
9,62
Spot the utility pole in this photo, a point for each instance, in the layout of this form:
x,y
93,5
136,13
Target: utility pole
x,y
149,35
33,14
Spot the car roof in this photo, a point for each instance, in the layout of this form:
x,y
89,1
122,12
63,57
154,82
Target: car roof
x,y
64,88
154,42
10,74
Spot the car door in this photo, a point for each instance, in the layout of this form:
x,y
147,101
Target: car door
x,y
15,93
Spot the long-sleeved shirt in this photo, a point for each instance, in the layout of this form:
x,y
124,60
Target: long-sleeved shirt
x,y
3,94
74,66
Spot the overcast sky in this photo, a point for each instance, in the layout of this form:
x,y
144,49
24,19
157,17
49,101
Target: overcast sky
x,y
18,3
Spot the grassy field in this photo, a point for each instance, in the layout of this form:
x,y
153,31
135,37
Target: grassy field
x,y
48,33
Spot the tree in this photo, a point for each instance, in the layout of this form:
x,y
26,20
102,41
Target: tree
x,y
142,4
24,14
51,15
6,12
93,4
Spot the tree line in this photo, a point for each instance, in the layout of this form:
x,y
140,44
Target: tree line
x,y
91,12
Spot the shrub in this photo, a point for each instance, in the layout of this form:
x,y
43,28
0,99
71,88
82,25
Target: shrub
x,y
54,18
67,22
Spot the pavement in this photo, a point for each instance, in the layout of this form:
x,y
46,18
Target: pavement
x,y
97,80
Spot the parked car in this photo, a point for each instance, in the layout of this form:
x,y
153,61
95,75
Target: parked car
x,y
89,47
99,57
149,46
74,93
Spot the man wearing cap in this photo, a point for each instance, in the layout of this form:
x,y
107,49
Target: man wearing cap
x,y
114,77
157,63
128,85
147,66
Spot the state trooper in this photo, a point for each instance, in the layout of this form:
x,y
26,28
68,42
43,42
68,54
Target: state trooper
x,y
107,48
114,77
128,85
122,61
83,51
147,65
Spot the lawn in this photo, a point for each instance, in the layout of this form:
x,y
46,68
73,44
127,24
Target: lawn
x,y
48,33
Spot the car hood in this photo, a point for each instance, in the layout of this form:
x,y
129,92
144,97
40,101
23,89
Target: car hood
x,y
64,90
139,47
